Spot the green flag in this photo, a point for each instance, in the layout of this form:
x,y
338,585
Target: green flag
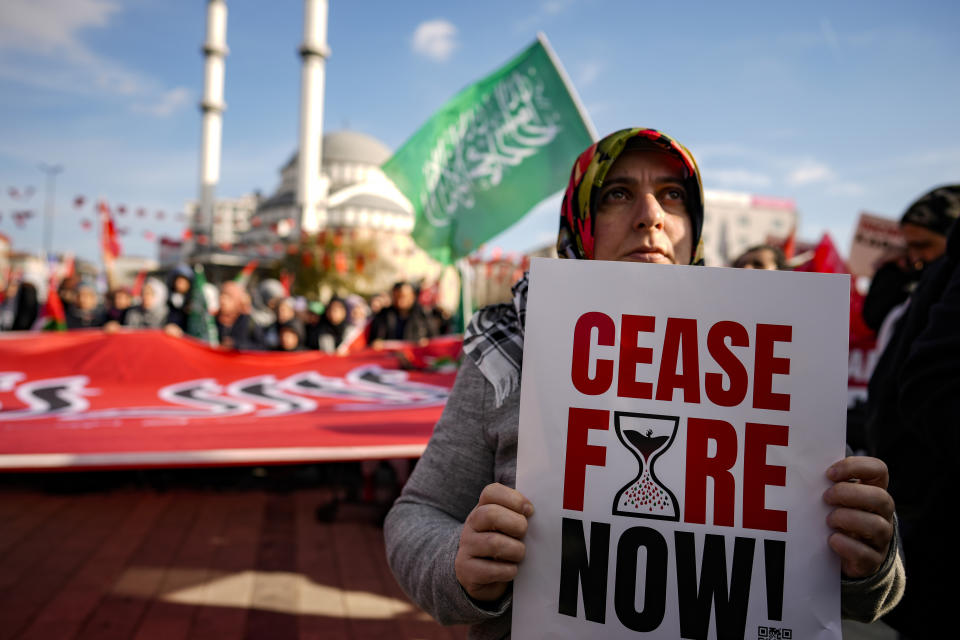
x,y
200,323
491,153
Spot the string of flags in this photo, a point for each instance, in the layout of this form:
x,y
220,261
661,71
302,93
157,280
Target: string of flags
x,y
21,215
330,252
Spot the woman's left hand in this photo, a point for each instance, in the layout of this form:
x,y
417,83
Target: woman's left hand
x,y
862,517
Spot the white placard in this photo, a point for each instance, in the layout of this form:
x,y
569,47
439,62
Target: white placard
x,y
874,237
676,424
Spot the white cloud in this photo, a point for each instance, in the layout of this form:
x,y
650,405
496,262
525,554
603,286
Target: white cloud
x,y
553,7
588,71
41,46
51,26
166,104
435,39
809,172
738,178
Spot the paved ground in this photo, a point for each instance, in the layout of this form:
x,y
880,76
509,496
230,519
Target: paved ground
x,y
203,555
173,558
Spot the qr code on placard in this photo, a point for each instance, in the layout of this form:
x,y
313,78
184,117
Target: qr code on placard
x,y
773,633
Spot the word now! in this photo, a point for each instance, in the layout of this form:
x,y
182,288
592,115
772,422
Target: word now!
x,y
642,565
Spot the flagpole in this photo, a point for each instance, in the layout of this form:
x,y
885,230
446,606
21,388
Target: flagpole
x,y
542,38
466,286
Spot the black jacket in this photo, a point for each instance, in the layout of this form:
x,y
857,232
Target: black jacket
x,y
388,325
913,424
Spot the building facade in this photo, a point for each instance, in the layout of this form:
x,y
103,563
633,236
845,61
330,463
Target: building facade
x,y
734,222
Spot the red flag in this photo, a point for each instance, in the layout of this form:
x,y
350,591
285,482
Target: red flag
x,y
244,276
826,258
790,246
340,262
138,283
53,318
286,279
109,245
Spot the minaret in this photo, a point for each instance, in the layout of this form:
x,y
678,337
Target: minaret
x,y
311,189
212,106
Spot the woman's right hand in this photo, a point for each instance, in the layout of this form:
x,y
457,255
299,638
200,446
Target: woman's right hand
x,y
491,544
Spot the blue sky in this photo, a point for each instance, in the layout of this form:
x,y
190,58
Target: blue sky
x,y
843,106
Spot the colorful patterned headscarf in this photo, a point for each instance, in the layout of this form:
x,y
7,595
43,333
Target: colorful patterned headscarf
x,y
575,239
494,337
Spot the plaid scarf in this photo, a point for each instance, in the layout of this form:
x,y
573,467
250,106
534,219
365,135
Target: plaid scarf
x,y
494,341
494,337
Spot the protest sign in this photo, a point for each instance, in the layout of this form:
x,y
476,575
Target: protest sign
x,y
675,431
874,237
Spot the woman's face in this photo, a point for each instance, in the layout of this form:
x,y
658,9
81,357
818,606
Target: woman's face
x,y
149,297
181,284
336,313
642,211
121,300
289,339
87,299
285,312
227,304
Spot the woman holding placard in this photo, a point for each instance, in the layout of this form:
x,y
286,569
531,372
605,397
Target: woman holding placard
x,y
455,537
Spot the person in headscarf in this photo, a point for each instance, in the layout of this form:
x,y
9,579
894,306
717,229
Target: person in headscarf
x,y
178,297
285,311
87,313
152,312
119,302
20,309
332,326
235,328
454,538
267,297
913,409
290,336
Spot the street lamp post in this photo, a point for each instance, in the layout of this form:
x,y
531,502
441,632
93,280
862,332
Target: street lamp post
x,y
49,207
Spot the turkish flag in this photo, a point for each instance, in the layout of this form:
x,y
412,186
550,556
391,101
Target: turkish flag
x,y
109,245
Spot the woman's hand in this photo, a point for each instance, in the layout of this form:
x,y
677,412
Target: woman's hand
x,y
862,516
491,544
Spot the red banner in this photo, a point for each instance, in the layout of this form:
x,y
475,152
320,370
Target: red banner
x,y
86,399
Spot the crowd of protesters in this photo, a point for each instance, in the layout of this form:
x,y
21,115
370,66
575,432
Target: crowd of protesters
x,y
264,317
909,421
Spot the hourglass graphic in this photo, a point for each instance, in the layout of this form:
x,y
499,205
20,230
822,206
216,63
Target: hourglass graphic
x,y
646,436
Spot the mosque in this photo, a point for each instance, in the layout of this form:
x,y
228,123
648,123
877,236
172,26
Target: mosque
x,y
331,188
360,196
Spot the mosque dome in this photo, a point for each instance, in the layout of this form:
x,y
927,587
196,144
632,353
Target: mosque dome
x,y
358,194
347,147
354,147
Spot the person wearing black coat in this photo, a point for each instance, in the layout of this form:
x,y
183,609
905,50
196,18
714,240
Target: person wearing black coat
x,y
913,425
25,308
404,319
